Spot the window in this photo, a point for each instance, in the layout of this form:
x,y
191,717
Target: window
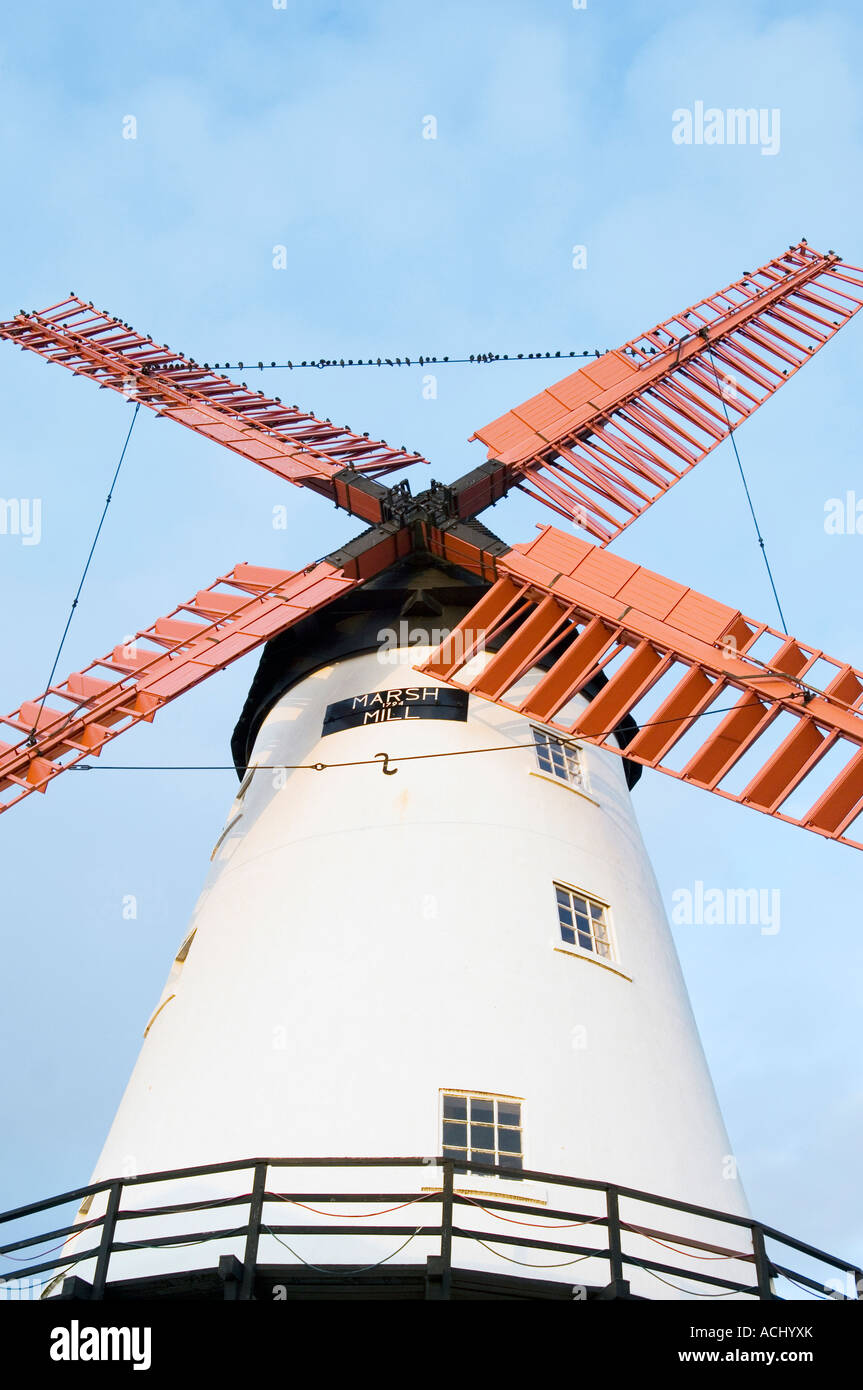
x,y
557,757
180,957
246,782
224,835
583,921
235,814
482,1129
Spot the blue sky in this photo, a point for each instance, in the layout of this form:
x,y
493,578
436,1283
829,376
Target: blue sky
x,y
302,127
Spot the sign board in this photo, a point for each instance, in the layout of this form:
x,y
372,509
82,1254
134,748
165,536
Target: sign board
x,y
381,706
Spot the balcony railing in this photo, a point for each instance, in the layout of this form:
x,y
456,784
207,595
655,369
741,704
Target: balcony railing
x,y
624,1229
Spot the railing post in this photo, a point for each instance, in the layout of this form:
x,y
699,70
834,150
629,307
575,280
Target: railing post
x,y
446,1215
109,1224
615,1250
256,1208
231,1275
762,1264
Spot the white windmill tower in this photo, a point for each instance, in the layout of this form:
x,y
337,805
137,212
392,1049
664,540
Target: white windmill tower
x,y
431,957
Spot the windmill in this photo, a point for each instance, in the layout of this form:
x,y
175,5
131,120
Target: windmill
x,y
471,959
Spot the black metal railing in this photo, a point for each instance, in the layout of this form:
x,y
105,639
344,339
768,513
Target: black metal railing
x,y
756,1251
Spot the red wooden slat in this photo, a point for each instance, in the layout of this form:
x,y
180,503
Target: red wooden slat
x,y
606,709
519,654
465,639
773,784
673,717
835,807
571,671
728,741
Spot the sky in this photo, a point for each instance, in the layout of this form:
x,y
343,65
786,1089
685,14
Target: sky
x,y
301,127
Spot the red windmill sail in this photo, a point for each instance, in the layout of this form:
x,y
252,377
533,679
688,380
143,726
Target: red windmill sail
x,y
591,612
283,439
599,448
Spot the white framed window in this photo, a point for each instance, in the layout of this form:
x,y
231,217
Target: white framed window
x,y
584,921
482,1128
561,758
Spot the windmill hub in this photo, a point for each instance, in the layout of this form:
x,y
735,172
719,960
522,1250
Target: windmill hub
x,y
434,507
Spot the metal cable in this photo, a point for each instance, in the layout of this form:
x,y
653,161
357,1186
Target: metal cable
x,y
475,359
528,1264
337,1272
84,575
691,1293
356,1216
731,436
564,1226
359,762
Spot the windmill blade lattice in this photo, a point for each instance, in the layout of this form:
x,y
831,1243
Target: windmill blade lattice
x,y
283,439
238,612
579,611
602,445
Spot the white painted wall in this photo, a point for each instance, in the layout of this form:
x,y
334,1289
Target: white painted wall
x,y
363,941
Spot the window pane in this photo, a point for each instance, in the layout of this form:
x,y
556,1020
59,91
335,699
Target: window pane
x,y
455,1107
455,1153
482,1137
558,757
454,1133
508,1112
510,1161
583,921
481,1111
509,1141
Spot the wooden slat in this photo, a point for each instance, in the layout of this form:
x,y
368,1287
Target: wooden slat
x,y
519,654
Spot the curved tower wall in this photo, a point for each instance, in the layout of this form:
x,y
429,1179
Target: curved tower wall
x,y
364,942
